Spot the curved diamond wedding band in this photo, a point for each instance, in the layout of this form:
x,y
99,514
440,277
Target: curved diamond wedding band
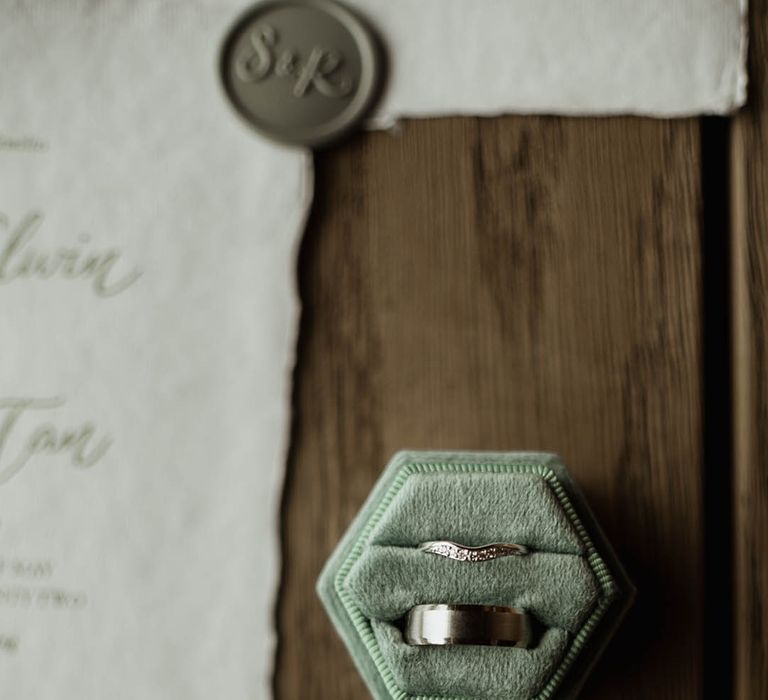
x,y
459,552
486,625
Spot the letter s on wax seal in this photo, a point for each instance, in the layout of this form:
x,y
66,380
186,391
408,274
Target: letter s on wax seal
x,y
302,72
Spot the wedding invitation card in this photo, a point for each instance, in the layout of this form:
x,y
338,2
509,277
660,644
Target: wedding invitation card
x,y
147,326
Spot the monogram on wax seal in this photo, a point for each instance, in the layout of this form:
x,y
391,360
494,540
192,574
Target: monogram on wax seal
x,y
302,72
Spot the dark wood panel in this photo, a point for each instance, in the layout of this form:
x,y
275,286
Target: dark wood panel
x,y
516,283
750,351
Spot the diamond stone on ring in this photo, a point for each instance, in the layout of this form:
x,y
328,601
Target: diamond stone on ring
x,y
459,552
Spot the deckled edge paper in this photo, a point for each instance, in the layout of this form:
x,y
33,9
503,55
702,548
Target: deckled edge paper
x,y
148,316
588,57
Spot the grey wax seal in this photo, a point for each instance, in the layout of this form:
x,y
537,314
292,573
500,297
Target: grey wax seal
x,y
302,72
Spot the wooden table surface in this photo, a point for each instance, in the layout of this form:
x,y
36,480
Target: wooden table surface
x,y
594,287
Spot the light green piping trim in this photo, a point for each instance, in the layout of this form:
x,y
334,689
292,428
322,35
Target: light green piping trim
x,y
595,561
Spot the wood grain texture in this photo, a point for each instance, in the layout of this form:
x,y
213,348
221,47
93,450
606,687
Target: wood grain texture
x,y
516,283
750,379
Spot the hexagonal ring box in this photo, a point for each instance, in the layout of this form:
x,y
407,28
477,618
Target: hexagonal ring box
x,y
570,583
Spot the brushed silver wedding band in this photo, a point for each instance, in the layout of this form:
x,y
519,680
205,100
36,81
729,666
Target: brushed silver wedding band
x,y
458,552
483,625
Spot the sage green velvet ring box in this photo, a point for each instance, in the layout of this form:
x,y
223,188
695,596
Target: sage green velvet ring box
x,y
570,583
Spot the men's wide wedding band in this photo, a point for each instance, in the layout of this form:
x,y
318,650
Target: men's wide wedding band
x,y
486,625
458,552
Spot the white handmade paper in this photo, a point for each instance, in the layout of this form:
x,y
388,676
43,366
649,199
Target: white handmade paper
x,y
147,328
485,57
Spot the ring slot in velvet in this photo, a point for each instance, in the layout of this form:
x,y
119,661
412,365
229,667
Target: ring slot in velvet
x,y
559,590
477,509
